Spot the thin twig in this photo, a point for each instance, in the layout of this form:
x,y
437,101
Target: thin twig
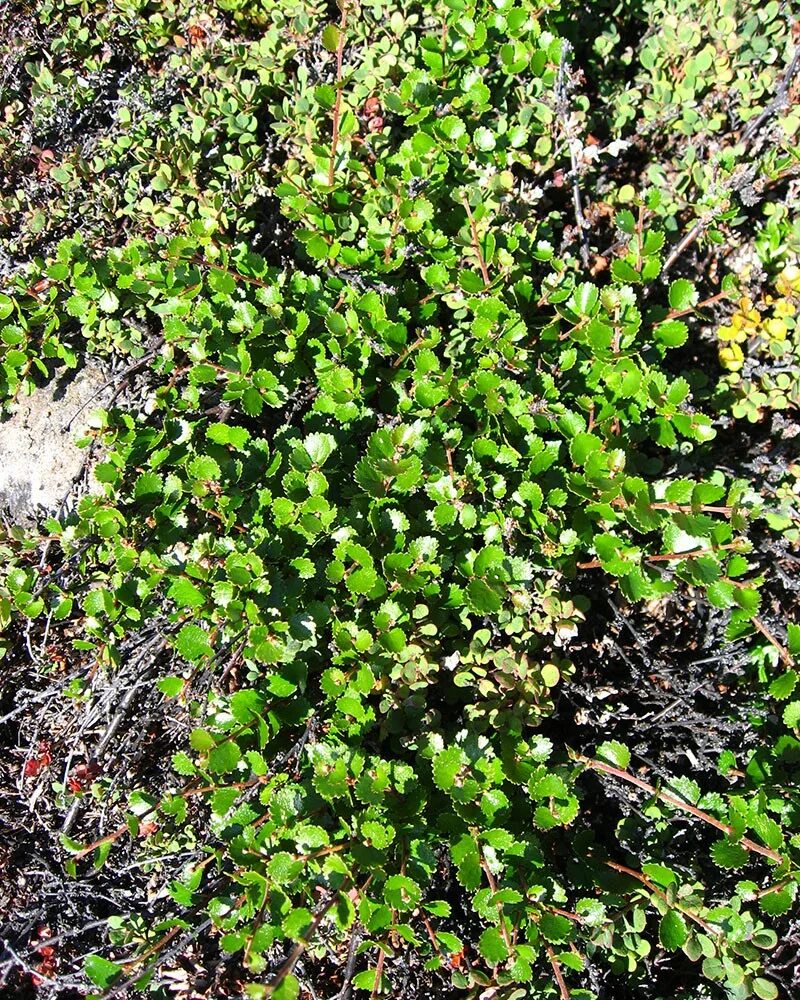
x,y
618,772
487,281
778,101
337,107
701,224
559,975
649,884
562,109
783,652
121,989
748,135
304,942
670,556
350,965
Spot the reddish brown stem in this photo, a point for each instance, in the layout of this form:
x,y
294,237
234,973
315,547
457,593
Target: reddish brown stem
x,y
783,652
652,887
493,886
669,556
678,508
559,975
337,106
476,244
675,313
378,974
618,772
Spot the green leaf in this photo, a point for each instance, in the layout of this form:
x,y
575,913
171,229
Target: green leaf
x,y
582,446
555,928
192,643
764,989
297,924
447,765
366,980
483,598
672,931
183,764
492,947
100,971
170,686
283,869
185,594
224,758
484,139
201,740
614,753
319,447
330,37
728,854
287,989
778,902
585,298
682,294
791,714
672,333
401,893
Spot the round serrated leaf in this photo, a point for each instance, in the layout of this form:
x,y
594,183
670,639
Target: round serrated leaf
x,y
615,753
492,947
728,854
447,765
224,758
401,893
682,294
192,643
582,446
555,928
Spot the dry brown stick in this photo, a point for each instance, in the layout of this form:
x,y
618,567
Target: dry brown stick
x,y
777,102
302,944
121,989
562,110
686,242
749,133
350,965
337,106
618,772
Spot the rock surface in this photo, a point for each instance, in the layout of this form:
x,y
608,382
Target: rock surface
x,y
39,460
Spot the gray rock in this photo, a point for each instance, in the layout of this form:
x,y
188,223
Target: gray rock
x,y
39,460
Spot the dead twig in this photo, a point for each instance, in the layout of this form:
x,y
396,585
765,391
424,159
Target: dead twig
x,y
779,101
562,111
